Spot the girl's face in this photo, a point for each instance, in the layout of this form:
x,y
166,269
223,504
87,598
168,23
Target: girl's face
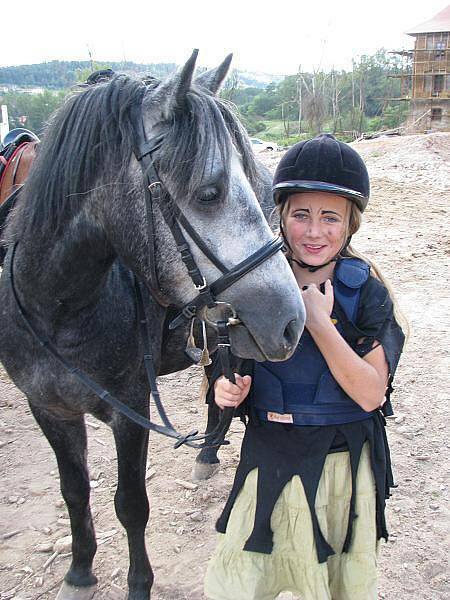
x,y
315,225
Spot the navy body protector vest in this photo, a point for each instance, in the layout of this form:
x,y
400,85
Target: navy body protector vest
x,y
302,390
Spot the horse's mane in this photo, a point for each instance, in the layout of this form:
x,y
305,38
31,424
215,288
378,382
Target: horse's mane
x,y
204,124
89,135
89,142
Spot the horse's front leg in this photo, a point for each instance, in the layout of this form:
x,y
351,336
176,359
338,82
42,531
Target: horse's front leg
x,y
207,462
68,440
131,502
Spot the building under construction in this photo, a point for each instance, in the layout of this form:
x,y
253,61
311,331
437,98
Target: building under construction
x,y
426,77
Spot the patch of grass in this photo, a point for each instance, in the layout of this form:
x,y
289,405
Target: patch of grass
x,y
272,128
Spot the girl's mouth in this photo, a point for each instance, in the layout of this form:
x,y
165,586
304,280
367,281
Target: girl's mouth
x,y
313,248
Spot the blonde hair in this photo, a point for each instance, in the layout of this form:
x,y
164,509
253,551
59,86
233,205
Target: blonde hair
x,y
353,223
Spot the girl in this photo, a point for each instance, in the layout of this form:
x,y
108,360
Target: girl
x,y
307,505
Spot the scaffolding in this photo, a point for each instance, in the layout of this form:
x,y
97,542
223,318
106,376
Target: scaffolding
x,y
424,72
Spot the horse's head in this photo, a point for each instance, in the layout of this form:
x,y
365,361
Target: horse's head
x,y
206,167
89,201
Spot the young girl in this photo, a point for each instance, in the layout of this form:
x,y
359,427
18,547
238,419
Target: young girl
x,y
307,505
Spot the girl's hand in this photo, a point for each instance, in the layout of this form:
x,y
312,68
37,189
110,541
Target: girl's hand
x,y
230,394
318,306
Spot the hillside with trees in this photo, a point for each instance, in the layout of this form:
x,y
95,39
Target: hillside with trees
x,y
57,75
346,103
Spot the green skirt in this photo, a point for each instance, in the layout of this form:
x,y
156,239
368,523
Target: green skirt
x,y
237,574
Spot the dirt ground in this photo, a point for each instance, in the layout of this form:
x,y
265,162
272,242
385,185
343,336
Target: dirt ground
x,y
406,232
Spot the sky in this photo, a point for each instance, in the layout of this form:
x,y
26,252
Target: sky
x,y
270,37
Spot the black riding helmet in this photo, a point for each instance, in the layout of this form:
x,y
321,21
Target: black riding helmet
x,y
322,164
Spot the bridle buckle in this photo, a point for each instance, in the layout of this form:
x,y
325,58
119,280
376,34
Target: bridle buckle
x,y
154,184
223,307
201,286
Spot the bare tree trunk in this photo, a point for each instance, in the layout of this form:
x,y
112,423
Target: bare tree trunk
x,y
362,100
334,99
353,84
299,99
314,115
353,95
285,117
230,87
91,60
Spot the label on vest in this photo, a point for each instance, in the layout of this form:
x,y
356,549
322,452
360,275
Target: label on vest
x,y
280,418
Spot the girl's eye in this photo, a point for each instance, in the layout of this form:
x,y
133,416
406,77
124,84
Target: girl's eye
x,y
331,219
209,194
301,216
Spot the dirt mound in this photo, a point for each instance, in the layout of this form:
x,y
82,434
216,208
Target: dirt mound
x,y
422,158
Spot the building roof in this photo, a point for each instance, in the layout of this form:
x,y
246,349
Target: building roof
x,y
440,22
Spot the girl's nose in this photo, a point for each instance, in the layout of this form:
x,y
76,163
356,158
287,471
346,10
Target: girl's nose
x,y
313,229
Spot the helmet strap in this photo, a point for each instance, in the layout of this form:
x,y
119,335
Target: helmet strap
x,y
311,268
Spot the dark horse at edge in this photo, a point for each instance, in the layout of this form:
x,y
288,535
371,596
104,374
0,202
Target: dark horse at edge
x,y
80,236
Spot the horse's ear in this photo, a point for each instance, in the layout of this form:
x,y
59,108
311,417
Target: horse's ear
x,y
213,79
170,94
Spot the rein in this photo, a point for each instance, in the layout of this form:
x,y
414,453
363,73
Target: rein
x,y
206,298
167,429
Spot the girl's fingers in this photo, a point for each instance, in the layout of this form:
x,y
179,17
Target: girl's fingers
x,y
239,381
221,401
242,382
234,388
226,404
224,385
229,397
228,394
329,295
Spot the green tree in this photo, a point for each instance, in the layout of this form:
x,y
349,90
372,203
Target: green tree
x,y
31,110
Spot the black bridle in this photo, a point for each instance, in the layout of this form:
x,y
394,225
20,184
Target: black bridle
x,y
176,221
207,293
206,297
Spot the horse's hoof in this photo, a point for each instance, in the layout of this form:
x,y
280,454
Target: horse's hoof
x,y
69,592
202,471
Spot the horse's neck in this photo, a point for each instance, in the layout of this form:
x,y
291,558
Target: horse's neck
x,y
66,274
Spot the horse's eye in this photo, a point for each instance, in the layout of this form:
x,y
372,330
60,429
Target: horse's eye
x,y
208,194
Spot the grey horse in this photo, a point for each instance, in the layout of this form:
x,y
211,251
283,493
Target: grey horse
x,y
80,239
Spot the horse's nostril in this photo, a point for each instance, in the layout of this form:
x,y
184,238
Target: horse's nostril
x,y
290,335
